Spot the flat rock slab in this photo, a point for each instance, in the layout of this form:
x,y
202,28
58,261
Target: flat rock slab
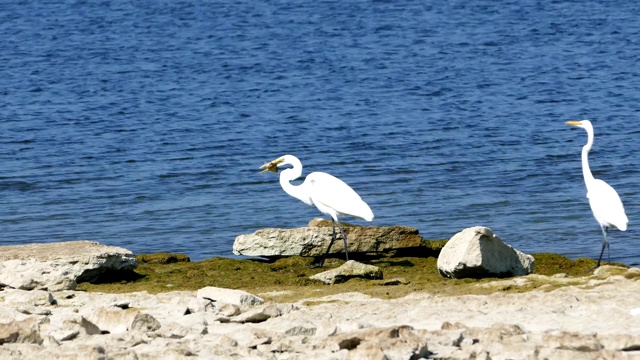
x,y
313,241
61,265
350,269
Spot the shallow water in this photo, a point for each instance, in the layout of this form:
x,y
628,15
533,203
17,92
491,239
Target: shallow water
x,y
143,124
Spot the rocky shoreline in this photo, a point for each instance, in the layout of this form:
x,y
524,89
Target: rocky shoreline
x,y
555,316
597,319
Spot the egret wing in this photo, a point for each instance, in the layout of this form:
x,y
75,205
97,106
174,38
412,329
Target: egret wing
x,y
606,205
329,192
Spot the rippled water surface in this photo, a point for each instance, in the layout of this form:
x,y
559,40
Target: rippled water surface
x,y
142,124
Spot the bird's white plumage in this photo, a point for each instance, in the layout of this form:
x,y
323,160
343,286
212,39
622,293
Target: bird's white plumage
x,y
329,194
604,201
334,197
606,205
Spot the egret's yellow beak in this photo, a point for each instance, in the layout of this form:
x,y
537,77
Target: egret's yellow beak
x,y
573,123
271,166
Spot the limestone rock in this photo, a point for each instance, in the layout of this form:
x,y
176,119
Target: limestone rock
x,y
60,266
229,296
68,326
263,313
348,270
398,342
117,321
477,252
313,241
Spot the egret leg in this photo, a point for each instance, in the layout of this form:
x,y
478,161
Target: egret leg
x,y
344,238
605,244
333,238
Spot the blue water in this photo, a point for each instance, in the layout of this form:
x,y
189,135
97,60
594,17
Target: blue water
x,y
142,124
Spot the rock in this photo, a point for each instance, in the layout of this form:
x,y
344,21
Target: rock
x,y
25,330
348,270
117,321
144,322
60,266
263,313
398,342
229,296
28,298
68,326
476,252
313,241
580,321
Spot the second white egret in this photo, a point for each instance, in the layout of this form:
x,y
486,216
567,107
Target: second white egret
x,y
605,203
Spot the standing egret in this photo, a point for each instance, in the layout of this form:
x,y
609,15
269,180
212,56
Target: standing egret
x,y
603,199
329,194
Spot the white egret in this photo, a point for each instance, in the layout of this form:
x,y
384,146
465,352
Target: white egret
x,y
605,203
329,194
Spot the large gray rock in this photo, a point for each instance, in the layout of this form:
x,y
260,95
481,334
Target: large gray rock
x,y
61,265
477,252
313,240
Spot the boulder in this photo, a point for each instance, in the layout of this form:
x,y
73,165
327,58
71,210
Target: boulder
x,y
348,270
60,266
477,252
313,240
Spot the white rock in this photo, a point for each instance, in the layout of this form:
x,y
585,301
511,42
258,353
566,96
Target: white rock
x,y
68,325
33,298
60,266
116,321
229,296
477,252
21,330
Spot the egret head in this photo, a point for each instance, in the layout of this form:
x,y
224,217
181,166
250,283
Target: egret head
x,y
272,165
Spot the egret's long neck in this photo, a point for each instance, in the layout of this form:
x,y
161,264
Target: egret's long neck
x,y
586,171
297,191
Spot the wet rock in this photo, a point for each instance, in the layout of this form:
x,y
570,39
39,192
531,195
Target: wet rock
x,y
60,266
477,252
348,270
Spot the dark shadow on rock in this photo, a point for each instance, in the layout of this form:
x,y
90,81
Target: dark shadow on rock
x,y
111,277
403,263
476,273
